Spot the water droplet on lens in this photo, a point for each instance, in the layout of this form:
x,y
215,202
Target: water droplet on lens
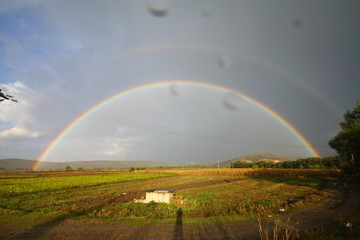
x,y
298,23
90,49
224,61
158,8
206,14
174,89
233,102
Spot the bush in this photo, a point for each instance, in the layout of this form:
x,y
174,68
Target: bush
x,y
350,168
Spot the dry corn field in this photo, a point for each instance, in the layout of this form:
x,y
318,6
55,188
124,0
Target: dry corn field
x,y
306,173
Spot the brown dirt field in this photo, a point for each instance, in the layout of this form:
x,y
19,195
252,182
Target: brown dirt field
x,y
344,201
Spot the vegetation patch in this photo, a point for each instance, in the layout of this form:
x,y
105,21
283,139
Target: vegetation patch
x,y
17,187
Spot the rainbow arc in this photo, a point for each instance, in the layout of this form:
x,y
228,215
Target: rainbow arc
x,y
103,103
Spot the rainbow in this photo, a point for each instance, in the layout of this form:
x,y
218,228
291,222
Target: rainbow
x,y
265,108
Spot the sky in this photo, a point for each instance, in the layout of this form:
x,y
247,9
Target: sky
x,y
192,79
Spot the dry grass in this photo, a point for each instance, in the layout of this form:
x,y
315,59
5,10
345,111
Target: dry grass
x,y
249,172
278,231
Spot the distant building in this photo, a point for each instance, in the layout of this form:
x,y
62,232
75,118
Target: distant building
x,y
159,196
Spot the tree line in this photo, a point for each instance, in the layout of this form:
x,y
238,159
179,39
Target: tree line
x,y
308,163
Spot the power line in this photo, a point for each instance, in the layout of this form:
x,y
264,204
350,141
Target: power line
x,y
182,132
168,130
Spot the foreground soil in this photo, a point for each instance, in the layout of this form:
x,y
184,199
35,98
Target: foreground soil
x,y
344,201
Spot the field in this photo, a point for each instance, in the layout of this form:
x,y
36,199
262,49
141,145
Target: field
x,y
32,202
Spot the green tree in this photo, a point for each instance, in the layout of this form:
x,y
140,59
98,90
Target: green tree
x,y
347,141
68,168
80,169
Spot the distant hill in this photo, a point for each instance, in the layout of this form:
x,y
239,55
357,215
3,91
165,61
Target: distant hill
x,y
23,164
258,157
16,164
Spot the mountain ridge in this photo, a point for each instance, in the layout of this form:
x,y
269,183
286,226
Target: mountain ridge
x,y
255,157
24,164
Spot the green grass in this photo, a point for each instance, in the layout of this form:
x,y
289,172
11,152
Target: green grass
x,y
16,187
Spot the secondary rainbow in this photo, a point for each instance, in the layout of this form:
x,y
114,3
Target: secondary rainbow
x,y
318,97
270,111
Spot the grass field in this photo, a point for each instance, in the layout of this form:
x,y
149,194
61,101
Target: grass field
x,y
19,187
42,202
206,197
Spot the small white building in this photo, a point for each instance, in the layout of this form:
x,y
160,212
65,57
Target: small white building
x,y
159,196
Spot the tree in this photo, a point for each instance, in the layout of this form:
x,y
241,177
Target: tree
x,y
347,141
240,164
68,168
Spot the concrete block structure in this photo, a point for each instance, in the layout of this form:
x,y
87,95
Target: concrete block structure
x,y
159,196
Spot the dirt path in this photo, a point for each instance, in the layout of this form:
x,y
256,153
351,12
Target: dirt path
x,y
344,201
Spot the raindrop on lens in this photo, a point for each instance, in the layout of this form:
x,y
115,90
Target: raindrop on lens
x,y
224,61
174,89
298,23
158,8
206,14
233,102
